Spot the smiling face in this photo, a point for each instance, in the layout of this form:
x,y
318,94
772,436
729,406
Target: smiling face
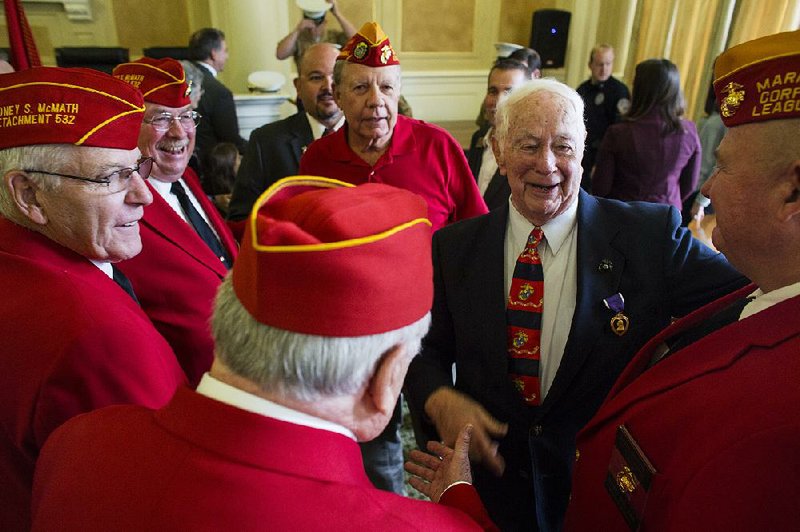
x,y
314,83
89,220
368,97
541,155
169,149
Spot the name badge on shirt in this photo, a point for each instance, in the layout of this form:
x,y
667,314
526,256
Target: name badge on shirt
x,y
629,477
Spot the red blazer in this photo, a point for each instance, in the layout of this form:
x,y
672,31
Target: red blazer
x,y
73,341
176,277
718,421
199,464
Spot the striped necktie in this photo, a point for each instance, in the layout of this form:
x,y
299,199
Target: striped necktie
x,y
524,320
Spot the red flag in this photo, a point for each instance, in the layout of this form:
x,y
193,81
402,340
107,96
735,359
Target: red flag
x,y
23,50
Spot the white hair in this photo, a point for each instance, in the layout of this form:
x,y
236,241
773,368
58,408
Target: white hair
x,y
506,108
304,367
47,157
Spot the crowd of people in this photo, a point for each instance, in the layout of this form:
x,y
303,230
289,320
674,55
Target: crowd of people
x,y
204,332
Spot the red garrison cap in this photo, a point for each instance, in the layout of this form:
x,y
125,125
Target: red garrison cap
x,y
160,81
759,80
48,105
324,257
369,47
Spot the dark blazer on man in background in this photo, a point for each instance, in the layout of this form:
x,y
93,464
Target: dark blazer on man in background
x,y
219,122
638,250
498,191
273,153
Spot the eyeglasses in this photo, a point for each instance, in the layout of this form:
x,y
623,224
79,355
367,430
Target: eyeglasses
x,y
116,181
163,121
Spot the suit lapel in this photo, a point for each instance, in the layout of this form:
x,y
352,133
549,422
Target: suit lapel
x,y
225,236
300,136
165,222
487,296
714,352
596,233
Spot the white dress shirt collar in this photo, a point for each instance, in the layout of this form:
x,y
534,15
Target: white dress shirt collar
x,y
105,267
317,128
763,301
208,67
230,395
555,231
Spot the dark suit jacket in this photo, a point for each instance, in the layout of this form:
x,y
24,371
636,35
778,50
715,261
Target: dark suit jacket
x,y
498,191
657,266
273,152
219,122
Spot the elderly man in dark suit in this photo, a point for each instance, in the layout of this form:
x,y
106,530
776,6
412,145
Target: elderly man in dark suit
x,y
274,150
209,51
540,304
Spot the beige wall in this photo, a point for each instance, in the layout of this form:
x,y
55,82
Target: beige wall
x,y
445,46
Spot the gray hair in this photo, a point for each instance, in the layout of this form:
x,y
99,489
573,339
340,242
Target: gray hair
x,y
47,157
304,367
195,80
572,100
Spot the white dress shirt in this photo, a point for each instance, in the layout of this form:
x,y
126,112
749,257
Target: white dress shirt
x,y
230,395
105,267
208,67
559,254
317,129
763,301
164,191
488,163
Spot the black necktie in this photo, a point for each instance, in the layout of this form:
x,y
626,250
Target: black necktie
x,y
328,131
123,282
719,320
200,224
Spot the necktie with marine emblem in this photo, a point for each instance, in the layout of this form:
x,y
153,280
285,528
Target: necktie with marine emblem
x,y
524,320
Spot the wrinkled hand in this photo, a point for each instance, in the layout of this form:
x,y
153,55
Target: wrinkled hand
x,y
432,474
451,410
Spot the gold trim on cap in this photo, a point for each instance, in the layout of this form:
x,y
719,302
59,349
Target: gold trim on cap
x,y
103,124
71,86
321,182
169,74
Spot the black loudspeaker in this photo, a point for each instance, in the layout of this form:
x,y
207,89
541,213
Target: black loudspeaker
x,y
549,32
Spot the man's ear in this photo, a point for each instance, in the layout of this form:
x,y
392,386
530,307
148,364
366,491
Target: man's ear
x,y
501,160
387,381
791,186
23,193
297,85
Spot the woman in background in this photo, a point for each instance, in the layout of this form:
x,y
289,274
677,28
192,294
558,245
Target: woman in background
x,y
653,154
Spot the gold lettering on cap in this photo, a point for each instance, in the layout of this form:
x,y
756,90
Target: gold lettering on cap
x,y
779,93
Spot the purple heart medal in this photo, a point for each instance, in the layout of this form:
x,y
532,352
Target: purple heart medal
x,y
619,322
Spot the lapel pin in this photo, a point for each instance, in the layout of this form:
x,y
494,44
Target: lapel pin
x,y
605,266
619,322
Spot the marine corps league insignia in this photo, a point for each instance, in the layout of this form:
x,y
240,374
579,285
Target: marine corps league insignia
x,y
525,292
360,51
734,96
188,88
386,53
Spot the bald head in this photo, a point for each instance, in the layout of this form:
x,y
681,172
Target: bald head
x,y
314,83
